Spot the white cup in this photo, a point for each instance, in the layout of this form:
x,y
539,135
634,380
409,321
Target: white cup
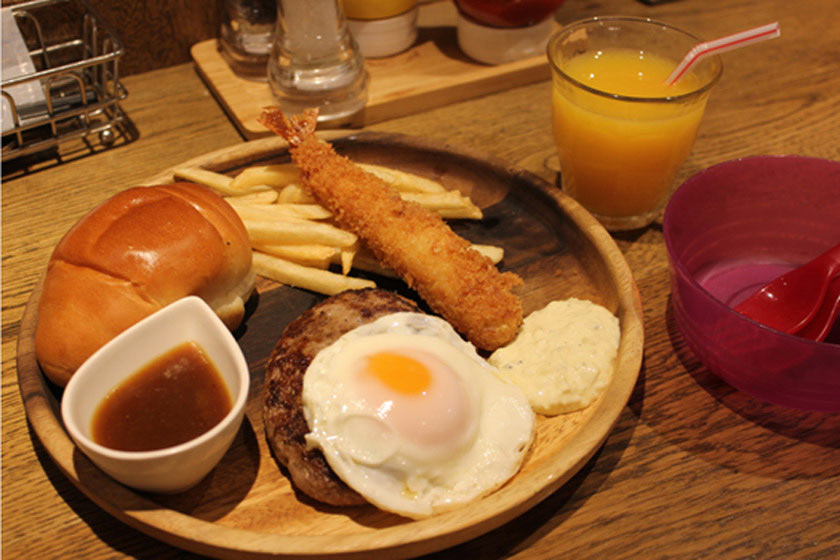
x,y
172,469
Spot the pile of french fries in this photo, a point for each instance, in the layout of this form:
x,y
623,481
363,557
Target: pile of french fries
x,y
293,238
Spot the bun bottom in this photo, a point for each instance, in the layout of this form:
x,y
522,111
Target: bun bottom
x,y
231,309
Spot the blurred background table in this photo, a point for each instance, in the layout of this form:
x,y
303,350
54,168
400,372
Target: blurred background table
x,y
692,469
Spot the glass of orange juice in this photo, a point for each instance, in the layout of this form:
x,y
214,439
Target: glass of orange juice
x,y
622,133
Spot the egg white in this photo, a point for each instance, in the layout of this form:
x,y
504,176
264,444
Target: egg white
x,y
397,475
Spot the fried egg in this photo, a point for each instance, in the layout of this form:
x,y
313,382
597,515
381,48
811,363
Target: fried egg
x,y
411,417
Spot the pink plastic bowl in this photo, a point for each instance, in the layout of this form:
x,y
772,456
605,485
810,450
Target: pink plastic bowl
x,y
730,229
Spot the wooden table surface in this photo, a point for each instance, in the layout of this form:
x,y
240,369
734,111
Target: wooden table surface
x,y
693,469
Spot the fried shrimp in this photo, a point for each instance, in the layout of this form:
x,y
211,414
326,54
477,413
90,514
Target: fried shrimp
x,y
455,280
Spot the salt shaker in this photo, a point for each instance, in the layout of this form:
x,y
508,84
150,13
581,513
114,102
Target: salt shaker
x,y
315,62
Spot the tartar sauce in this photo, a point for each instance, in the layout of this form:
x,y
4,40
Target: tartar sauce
x,y
563,356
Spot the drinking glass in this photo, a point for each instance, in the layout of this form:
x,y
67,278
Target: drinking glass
x,y
622,133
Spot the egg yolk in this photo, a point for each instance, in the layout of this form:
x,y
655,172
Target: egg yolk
x,y
417,396
400,373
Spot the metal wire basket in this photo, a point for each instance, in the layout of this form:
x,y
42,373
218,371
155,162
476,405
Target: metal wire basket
x,y
75,57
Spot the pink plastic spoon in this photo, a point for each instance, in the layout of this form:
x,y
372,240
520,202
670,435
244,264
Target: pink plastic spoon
x,y
790,301
819,327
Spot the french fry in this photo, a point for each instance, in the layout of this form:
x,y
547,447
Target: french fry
x,y
346,255
364,260
426,192
269,212
319,256
460,213
402,180
321,281
259,197
271,175
297,232
492,252
307,211
294,193
216,181
448,204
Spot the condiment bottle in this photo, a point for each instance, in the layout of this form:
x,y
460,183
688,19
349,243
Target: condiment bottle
x,y
315,62
245,35
382,27
500,31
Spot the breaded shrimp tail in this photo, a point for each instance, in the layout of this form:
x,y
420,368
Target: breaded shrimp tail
x,y
454,279
294,129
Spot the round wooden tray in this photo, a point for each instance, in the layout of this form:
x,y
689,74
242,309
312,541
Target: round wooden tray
x,y
246,507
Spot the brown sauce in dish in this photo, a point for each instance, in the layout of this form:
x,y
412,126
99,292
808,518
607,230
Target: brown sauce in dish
x,y
174,398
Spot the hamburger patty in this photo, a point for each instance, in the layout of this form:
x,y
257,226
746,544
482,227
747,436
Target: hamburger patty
x,y
303,338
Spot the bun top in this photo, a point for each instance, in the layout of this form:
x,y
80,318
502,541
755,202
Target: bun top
x,y
137,252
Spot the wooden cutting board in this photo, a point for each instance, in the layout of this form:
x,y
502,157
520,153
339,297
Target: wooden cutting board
x,y
432,73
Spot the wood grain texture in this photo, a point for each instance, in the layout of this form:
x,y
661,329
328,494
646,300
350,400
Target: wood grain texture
x,y
692,469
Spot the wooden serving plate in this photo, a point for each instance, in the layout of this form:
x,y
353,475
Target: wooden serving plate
x,y
246,508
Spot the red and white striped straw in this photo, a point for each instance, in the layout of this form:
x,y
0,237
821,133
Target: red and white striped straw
x,y
742,39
